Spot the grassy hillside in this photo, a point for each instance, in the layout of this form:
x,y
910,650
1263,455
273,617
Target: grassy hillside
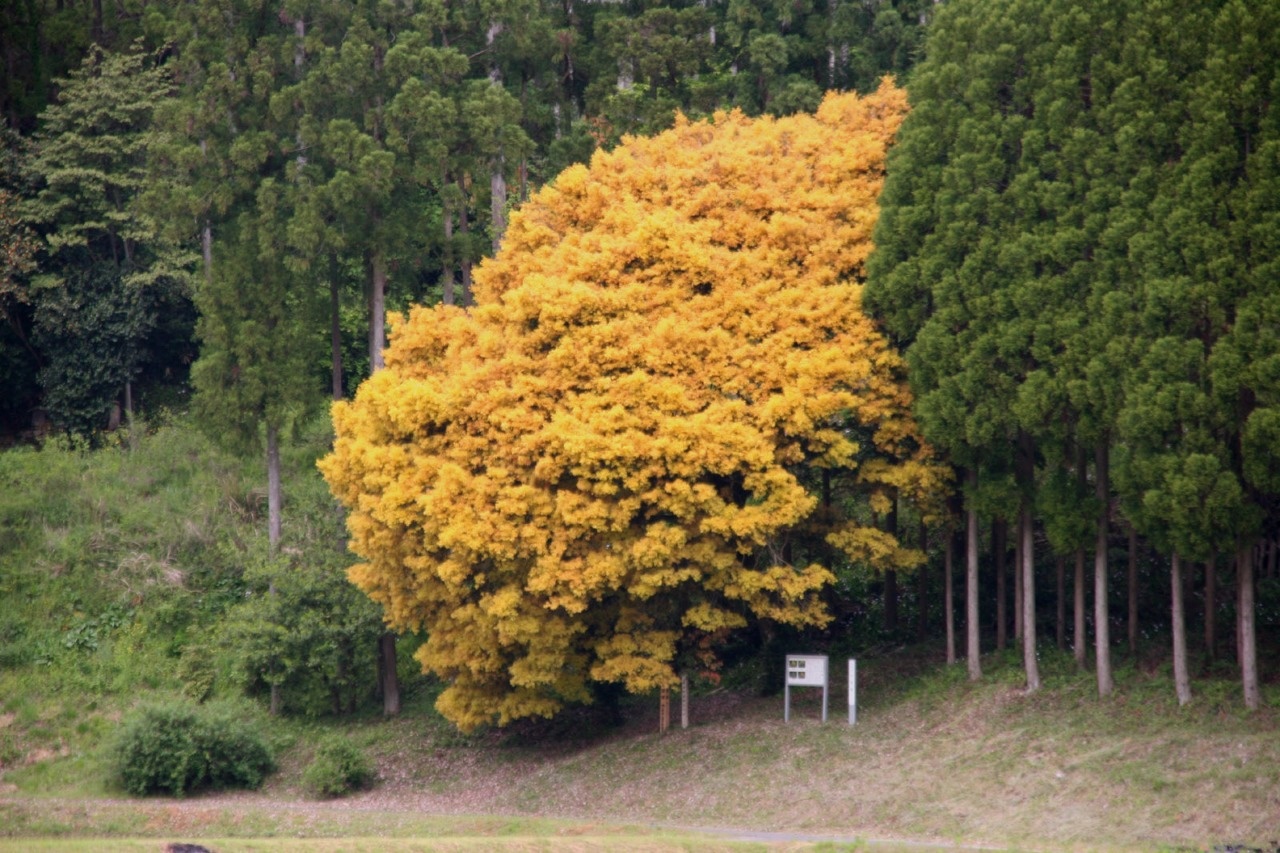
x,y
118,568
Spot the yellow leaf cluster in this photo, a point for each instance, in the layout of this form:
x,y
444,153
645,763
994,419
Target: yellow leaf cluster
x,y
590,473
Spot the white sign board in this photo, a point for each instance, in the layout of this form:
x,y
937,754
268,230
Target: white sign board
x,y
805,671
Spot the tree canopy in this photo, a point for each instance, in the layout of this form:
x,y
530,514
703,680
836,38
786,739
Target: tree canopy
x,y
666,416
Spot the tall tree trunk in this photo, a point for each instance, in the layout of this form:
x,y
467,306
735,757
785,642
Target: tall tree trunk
x,y
1027,572
1101,611
390,678
972,650
1078,638
335,335
1181,678
1060,573
1017,584
1002,612
922,586
1077,605
1210,608
377,309
498,201
1133,591
273,523
446,277
464,228
1248,638
891,576
273,488
948,594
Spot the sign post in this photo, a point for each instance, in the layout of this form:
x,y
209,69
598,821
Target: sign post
x,y
853,691
805,671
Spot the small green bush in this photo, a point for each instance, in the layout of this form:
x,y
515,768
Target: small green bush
x,y
338,769
176,748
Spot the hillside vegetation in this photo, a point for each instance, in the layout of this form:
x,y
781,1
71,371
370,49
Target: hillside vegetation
x,y
118,564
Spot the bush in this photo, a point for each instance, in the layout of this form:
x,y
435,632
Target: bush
x,y
338,769
176,748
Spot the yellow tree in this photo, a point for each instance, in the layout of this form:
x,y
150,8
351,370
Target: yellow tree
x,y
665,416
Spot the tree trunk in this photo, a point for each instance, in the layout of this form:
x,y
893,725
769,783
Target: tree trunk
x,y
1060,574
377,310
1077,605
972,650
891,576
1101,611
1248,638
498,202
446,278
390,678
948,595
273,523
1210,608
464,228
1027,572
335,337
1002,612
1017,584
1133,591
1181,679
684,700
922,587
273,488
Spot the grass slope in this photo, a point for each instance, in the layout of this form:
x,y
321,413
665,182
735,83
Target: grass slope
x,y
933,758
115,565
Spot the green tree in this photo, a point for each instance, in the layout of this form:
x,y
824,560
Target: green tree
x,y
106,270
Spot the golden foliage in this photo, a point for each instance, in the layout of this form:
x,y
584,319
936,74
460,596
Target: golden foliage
x,y
618,455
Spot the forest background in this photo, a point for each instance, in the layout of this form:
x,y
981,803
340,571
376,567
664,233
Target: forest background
x,y
208,208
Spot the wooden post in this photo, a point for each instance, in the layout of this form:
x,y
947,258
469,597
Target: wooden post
x,y
684,701
664,710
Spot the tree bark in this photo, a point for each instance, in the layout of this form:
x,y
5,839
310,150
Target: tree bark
x,y
1133,591
1077,608
273,488
498,201
1248,638
972,650
377,309
1027,572
891,576
948,595
1210,608
446,278
390,678
1060,574
922,586
1101,611
1181,678
1017,583
335,337
273,524
464,228
1002,611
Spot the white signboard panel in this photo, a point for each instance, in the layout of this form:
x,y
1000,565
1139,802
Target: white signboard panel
x,y
805,671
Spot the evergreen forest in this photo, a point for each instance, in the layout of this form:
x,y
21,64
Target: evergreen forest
x,y
535,354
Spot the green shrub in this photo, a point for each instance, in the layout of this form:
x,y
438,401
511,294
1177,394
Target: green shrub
x,y
338,769
176,748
